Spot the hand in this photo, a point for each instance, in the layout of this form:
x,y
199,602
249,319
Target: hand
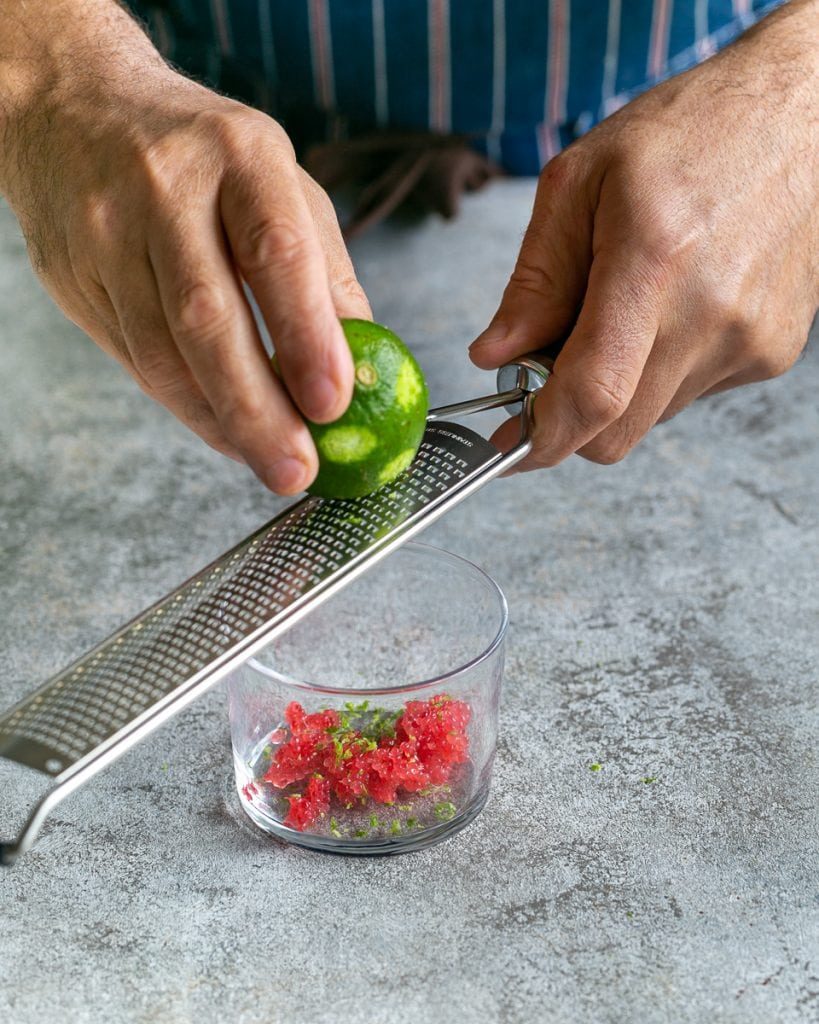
x,y
145,200
675,245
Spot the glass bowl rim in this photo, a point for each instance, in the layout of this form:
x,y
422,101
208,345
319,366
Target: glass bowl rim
x,y
422,684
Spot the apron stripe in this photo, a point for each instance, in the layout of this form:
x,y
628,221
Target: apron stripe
x,y
440,72
321,46
498,78
658,43
382,107
221,21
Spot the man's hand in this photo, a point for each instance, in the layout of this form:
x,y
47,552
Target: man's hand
x,y
676,245
146,200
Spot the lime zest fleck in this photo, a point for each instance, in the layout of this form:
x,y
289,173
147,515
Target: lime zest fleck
x,y
648,779
445,811
595,767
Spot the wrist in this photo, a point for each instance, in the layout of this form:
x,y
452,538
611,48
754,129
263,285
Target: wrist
x,y
54,52
783,50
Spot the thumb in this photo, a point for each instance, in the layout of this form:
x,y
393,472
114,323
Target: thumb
x,y
541,301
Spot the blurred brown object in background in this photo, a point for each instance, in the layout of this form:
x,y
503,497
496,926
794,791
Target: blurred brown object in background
x,y
419,171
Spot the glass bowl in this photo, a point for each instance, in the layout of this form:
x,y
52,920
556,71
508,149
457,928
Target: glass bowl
x,y
370,727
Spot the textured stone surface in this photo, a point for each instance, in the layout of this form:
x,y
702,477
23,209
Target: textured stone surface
x,y
665,623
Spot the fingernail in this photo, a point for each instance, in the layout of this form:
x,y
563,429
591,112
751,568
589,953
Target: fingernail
x,y
320,396
286,476
491,336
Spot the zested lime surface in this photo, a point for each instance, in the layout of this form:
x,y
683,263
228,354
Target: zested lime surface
x,y
378,436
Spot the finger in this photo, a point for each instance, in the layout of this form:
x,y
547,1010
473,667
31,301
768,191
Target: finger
x,y
733,369
600,366
347,294
213,329
544,293
92,311
152,357
667,369
277,250
704,386
697,385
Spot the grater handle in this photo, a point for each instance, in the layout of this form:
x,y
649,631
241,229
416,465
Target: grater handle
x,y
523,376
528,373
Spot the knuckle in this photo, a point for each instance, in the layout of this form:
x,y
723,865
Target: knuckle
x,y
269,242
671,234
728,306
539,458
534,277
771,362
158,165
349,288
722,309
225,125
319,201
599,400
243,418
98,217
606,451
237,129
202,311
560,171
195,411
158,369
761,347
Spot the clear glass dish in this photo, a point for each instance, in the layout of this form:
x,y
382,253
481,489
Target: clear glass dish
x,y
371,726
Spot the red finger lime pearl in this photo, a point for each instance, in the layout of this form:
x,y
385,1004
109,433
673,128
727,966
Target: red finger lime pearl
x,y
361,756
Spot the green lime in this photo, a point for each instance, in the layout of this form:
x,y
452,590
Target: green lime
x,y
377,438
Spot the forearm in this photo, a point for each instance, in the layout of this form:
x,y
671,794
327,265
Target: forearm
x,y
49,49
786,45
775,66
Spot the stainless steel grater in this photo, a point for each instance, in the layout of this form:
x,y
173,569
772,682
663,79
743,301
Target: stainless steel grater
x,y
113,696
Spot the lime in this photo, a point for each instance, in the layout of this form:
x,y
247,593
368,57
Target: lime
x,y
377,438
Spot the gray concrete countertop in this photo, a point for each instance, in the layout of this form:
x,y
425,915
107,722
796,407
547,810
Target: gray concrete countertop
x,y
665,624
